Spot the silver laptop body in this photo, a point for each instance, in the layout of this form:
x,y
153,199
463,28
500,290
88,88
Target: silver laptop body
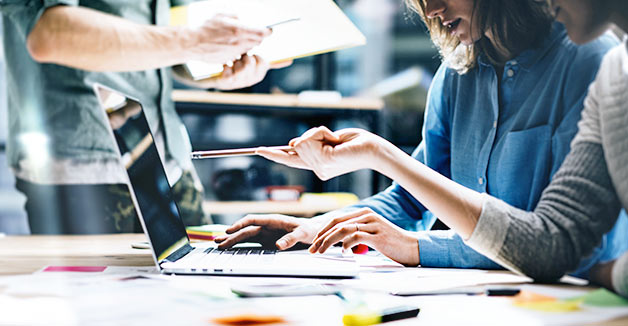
x,y
161,221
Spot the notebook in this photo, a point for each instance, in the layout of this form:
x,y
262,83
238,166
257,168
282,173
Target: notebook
x,y
161,220
311,27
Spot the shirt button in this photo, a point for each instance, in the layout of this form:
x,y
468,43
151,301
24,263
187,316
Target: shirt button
x,y
481,181
510,73
495,124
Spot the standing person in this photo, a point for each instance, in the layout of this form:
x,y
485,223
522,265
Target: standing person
x,y
59,147
501,127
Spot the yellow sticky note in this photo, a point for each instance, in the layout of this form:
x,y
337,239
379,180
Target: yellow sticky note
x,y
539,302
530,297
551,306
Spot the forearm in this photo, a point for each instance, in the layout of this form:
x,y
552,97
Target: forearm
x,y
88,39
456,205
574,212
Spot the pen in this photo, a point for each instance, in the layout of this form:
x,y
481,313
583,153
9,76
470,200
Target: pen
x,y
283,22
364,316
502,292
235,152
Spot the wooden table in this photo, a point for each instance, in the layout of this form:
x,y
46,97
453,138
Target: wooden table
x,y
27,254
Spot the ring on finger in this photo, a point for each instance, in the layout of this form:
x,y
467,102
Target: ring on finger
x,y
357,228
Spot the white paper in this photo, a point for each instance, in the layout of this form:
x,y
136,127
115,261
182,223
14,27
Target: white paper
x,y
321,27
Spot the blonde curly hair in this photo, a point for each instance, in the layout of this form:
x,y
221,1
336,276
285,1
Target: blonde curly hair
x,y
515,25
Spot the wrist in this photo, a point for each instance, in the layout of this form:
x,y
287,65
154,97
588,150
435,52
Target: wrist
x,y
186,40
601,274
384,154
413,258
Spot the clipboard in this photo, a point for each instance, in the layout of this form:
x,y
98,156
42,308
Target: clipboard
x,y
315,27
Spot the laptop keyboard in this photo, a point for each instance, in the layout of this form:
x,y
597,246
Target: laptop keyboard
x,y
233,257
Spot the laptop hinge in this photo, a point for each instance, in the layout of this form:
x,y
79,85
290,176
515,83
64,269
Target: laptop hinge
x,y
178,254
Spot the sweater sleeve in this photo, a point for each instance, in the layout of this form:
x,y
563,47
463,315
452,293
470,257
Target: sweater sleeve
x,y
574,212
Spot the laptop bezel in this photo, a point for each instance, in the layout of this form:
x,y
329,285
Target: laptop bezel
x,y
136,206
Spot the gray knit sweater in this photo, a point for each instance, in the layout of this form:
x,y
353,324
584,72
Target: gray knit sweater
x,y
582,201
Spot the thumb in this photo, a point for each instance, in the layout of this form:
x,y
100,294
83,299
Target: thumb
x,y
280,64
287,241
325,135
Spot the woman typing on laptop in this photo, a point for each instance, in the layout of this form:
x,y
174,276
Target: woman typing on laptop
x,y
577,208
502,111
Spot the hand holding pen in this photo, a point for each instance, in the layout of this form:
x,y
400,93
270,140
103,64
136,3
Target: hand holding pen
x,y
197,155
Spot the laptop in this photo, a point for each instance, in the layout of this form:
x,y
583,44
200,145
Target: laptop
x,y
161,220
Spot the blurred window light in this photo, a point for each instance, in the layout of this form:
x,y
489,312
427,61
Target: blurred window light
x,y
37,147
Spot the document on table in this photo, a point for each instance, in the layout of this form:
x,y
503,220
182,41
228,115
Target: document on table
x,y
420,281
311,27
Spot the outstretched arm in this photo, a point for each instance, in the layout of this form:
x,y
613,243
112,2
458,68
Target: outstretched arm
x,y
87,39
329,154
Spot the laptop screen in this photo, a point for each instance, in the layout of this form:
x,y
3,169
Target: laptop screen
x,y
157,208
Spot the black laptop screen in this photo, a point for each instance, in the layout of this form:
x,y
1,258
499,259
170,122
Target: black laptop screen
x,y
161,218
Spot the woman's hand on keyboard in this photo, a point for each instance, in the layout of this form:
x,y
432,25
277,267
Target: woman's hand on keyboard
x,y
279,230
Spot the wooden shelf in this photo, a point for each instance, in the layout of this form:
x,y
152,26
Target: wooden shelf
x,y
273,100
297,208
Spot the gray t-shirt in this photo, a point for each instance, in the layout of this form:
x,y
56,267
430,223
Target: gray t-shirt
x,y
57,134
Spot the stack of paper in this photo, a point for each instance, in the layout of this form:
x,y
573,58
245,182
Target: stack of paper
x,y
206,232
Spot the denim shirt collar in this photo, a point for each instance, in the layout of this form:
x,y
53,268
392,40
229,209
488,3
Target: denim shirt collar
x,y
530,57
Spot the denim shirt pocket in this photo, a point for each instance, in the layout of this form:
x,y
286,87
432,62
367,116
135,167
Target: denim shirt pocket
x,y
524,166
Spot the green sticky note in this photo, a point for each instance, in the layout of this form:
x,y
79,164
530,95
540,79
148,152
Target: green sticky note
x,y
604,298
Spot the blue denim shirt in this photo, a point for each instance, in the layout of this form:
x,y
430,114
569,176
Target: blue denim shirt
x,y
507,144
58,103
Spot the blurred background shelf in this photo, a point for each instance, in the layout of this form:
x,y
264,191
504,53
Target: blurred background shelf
x,y
186,99
293,208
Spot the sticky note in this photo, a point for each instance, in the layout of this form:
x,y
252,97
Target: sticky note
x,y
531,297
604,298
539,302
84,269
551,306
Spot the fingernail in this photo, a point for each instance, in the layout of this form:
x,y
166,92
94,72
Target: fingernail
x,y
282,244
